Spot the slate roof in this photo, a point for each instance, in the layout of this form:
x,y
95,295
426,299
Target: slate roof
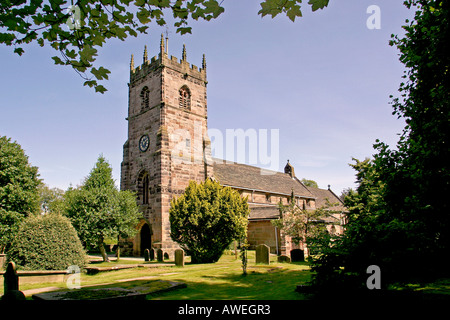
x,y
253,178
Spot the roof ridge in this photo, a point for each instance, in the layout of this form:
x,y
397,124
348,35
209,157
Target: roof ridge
x,y
223,161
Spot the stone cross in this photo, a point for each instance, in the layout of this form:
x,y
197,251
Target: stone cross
x,y
262,254
159,255
179,258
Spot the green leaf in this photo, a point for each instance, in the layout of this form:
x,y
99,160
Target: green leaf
x,y
100,73
58,60
270,7
100,89
143,15
318,4
19,51
88,53
294,12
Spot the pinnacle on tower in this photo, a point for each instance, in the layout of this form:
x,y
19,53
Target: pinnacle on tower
x,y
183,56
145,55
132,63
161,44
204,62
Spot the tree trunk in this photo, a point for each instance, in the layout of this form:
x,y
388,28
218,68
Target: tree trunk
x,y
102,249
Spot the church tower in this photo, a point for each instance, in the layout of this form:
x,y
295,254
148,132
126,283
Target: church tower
x,y
167,142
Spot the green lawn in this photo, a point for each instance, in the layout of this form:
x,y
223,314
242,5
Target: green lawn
x,y
221,280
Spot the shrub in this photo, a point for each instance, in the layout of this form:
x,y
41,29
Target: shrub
x,y
47,242
206,219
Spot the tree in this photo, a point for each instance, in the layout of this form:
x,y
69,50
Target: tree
x,y
344,258
417,172
310,183
19,195
98,210
301,224
206,219
51,199
77,30
398,216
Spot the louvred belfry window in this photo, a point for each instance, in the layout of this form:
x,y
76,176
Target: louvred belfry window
x,y
145,97
185,98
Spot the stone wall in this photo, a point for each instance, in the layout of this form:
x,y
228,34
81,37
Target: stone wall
x,y
263,232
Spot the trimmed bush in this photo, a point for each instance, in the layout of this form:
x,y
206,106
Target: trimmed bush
x,y
47,242
206,219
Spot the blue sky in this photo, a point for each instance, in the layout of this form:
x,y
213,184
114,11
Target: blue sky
x,y
324,82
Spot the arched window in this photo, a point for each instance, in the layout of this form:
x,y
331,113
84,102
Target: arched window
x,y
145,189
145,97
185,98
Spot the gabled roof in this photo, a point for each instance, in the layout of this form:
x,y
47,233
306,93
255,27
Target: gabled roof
x,y
253,178
322,195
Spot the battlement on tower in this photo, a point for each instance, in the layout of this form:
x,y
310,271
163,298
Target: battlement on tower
x,y
162,60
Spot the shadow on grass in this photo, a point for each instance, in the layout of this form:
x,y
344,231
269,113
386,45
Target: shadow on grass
x,y
256,285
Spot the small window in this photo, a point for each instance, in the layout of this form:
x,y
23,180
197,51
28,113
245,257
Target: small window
x,y
185,98
145,189
145,93
268,198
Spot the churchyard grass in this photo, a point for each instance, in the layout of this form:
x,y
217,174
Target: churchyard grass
x,y
220,280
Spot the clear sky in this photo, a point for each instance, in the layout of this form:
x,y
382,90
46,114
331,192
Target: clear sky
x,y
323,82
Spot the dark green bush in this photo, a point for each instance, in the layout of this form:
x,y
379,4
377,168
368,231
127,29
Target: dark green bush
x,y
47,242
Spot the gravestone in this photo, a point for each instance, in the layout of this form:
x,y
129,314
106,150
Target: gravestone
x,y
11,284
159,255
262,254
284,258
152,254
297,255
179,258
147,255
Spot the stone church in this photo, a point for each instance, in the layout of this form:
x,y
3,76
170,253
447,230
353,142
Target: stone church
x,y
168,146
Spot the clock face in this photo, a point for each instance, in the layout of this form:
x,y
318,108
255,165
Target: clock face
x,y
143,143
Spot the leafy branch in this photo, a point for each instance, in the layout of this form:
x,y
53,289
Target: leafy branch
x,y
76,29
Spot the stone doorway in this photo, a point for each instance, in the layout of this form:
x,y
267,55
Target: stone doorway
x,y
146,238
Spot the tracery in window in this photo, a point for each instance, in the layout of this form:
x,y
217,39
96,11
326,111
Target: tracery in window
x,y
185,98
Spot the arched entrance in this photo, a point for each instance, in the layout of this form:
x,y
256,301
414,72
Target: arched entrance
x,y
146,238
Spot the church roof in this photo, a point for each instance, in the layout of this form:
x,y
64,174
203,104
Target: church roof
x,y
242,176
322,195
264,212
